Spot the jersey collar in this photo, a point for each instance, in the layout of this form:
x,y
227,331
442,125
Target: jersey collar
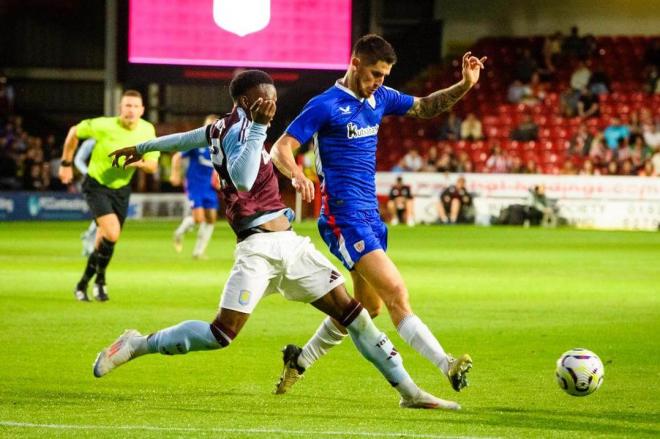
x,y
371,100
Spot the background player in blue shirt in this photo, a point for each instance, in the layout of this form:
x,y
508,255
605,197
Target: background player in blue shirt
x,y
343,123
201,194
80,161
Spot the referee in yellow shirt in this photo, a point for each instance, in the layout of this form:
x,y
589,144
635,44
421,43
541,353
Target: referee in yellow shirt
x,y
107,189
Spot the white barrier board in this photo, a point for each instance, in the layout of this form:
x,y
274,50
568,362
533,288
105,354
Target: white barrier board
x,y
599,202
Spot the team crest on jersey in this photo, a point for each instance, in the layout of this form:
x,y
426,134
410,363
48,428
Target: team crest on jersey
x,y
359,246
244,297
353,132
241,17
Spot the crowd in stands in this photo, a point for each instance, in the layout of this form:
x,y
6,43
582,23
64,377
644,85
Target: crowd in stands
x,y
27,162
561,105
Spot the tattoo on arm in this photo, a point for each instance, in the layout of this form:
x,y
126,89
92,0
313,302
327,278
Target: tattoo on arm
x,y
438,102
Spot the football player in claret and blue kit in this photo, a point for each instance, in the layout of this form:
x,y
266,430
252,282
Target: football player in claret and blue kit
x,y
269,258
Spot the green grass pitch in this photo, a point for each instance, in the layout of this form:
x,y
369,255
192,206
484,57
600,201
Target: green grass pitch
x,y
513,298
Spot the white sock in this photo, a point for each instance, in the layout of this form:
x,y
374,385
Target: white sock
x,y
407,388
327,335
203,237
186,225
418,335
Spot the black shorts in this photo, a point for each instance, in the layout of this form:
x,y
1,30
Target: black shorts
x,y
103,200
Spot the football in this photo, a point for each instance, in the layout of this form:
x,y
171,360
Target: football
x,y
579,372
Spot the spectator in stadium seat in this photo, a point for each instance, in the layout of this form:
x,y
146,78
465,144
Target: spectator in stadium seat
x,y
599,82
580,143
454,203
526,131
471,128
588,168
412,161
498,162
531,167
517,166
647,170
627,168
568,168
430,160
623,151
614,132
401,203
537,91
568,102
450,129
599,154
588,105
446,162
573,45
517,91
580,76
651,135
640,152
552,50
463,162
612,168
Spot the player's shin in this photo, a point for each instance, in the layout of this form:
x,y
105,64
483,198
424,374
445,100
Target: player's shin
x,y
104,254
420,338
203,237
187,224
188,336
376,347
90,271
326,336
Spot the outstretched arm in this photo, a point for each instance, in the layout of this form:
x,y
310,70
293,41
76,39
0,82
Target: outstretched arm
x,y
173,142
442,100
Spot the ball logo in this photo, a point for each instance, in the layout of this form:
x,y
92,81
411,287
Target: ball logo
x,y
241,17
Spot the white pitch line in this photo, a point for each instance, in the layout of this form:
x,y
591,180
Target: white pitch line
x,y
264,431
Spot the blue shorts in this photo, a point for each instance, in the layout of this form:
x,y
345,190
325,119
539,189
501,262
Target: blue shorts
x,y
349,236
207,199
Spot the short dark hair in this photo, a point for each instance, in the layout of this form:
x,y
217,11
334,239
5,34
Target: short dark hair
x,y
132,93
372,48
247,79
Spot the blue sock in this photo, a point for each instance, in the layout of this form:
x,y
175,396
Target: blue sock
x,y
191,335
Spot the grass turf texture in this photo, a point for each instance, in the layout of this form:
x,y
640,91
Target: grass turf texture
x,y
513,298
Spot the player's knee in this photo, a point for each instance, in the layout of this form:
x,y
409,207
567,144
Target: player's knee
x,y
374,309
396,299
111,234
223,334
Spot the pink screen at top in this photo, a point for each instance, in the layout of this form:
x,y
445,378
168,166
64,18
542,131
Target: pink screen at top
x,y
310,34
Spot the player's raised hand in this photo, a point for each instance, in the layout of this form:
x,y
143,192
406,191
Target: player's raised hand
x,y
472,66
303,185
131,154
263,111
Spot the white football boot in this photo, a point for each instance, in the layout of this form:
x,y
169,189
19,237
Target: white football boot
x,y
116,354
424,400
